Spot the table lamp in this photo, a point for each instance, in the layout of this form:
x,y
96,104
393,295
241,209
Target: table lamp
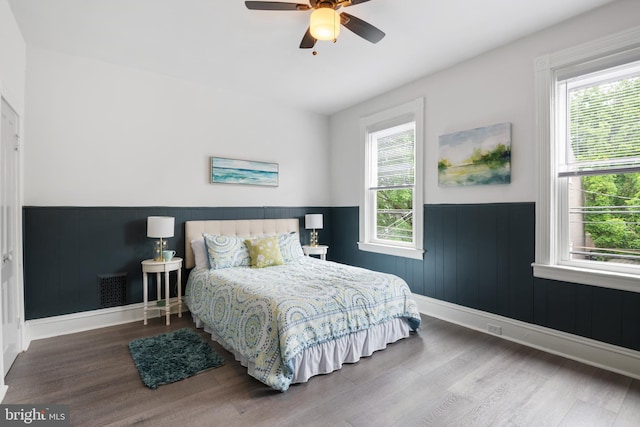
x,y
160,227
313,222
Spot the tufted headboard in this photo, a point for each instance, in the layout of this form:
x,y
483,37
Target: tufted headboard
x,y
237,227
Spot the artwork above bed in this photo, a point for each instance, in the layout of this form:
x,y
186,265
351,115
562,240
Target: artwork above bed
x,y
281,319
234,171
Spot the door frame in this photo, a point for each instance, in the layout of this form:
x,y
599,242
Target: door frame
x,y
22,343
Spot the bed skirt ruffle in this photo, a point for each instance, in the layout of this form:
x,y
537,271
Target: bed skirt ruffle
x,y
330,356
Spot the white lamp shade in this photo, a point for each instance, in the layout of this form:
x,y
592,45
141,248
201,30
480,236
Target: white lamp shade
x,y
324,24
160,226
313,221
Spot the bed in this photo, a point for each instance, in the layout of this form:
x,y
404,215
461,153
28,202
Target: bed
x,y
287,317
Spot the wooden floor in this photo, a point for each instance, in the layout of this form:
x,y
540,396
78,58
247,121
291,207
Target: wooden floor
x,y
444,375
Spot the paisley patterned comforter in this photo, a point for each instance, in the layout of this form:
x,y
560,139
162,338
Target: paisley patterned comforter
x,y
269,315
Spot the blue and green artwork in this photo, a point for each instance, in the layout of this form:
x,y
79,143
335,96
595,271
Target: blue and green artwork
x,y
479,156
233,171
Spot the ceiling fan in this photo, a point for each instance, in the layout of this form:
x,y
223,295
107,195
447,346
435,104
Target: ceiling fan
x,y
325,21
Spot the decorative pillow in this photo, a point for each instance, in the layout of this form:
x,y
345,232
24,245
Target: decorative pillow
x,y
200,253
264,252
290,246
226,251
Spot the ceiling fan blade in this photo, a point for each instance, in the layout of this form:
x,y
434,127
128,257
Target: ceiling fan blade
x,y
354,2
361,28
308,41
275,5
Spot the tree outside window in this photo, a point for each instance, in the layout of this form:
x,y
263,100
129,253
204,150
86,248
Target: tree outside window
x,y
604,148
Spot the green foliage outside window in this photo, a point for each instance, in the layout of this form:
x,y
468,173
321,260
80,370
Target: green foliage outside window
x,y
395,215
396,167
605,123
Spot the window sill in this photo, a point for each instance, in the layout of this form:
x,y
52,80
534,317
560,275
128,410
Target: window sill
x,y
392,250
603,279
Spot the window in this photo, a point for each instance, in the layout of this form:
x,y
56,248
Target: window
x,y
588,208
391,211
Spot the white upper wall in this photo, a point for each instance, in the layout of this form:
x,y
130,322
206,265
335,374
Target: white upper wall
x,y
12,59
98,134
492,88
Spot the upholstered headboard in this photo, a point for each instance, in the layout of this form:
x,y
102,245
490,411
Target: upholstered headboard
x,y
239,227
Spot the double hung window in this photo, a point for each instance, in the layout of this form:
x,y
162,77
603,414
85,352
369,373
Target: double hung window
x,y
588,212
599,165
391,208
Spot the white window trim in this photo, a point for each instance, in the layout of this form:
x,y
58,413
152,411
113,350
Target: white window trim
x,y
414,109
547,264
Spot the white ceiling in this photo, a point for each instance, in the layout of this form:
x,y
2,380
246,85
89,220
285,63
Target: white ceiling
x,y
225,45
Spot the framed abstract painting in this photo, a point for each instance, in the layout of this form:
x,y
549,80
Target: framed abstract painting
x,y
479,156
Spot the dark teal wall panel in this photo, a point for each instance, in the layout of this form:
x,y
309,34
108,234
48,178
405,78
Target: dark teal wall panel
x,y
607,315
503,262
467,246
584,309
520,236
347,229
429,264
540,302
562,305
487,256
480,256
450,254
476,256
67,248
631,321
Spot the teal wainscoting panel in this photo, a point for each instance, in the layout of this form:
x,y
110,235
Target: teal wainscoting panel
x,y
431,217
480,256
540,301
467,254
584,309
477,255
488,257
67,248
607,315
503,261
562,303
450,253
520,236
631,321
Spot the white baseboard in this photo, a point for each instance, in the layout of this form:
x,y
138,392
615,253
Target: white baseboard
x,y
87,320
596,353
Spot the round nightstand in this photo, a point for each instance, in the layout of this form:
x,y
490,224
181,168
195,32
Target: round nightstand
x,y
158,267
316,250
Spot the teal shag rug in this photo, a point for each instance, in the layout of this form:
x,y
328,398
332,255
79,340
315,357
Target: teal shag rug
x,y
171,357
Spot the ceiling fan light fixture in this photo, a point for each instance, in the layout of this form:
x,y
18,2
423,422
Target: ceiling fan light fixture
x,y
325,24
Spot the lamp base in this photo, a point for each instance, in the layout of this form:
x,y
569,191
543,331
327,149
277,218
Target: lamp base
x,y
313,238
158,247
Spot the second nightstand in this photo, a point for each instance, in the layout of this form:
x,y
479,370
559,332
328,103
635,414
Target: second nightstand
x,y
316,250
158,267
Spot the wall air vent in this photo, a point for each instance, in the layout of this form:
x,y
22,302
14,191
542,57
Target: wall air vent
x,y
112,289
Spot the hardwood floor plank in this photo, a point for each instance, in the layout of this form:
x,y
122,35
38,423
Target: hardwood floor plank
x,y
444,375
448,408
583,413
504,397
555,398
629,413
606,390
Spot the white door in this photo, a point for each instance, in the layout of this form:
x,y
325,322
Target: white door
x,y
8,236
